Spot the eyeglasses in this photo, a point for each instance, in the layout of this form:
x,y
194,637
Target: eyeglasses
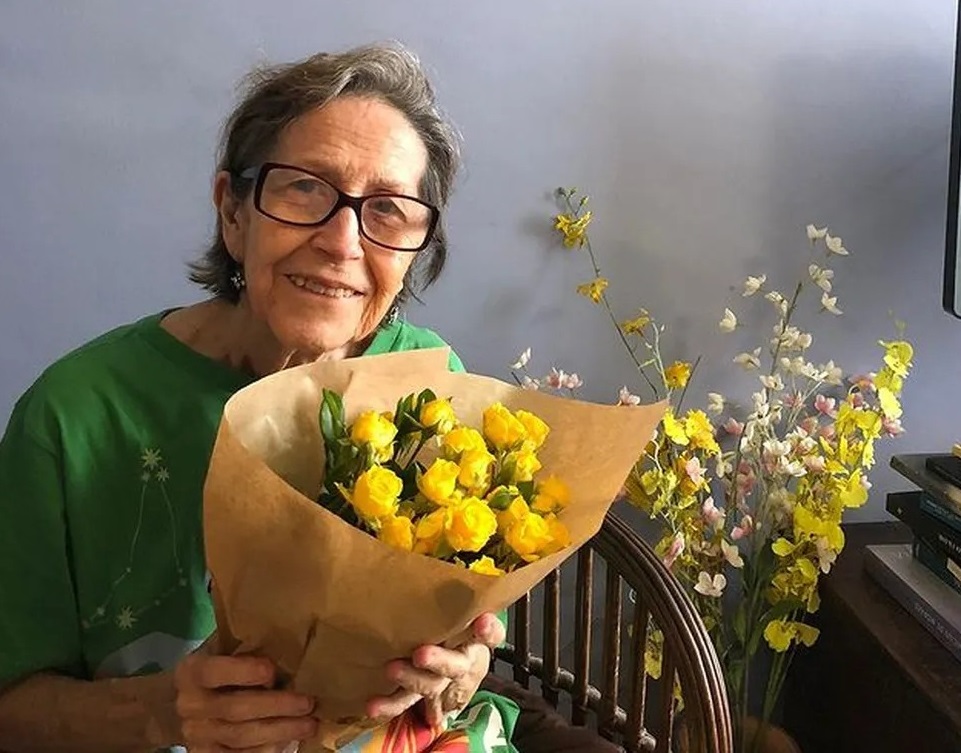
x,y
296,196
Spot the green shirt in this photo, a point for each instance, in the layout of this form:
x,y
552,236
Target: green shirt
x,y
102,466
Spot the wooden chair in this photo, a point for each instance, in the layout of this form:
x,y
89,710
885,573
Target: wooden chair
x,y
617,706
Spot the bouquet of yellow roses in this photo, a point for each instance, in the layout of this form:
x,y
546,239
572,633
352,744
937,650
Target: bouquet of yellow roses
x,y
476,503
400,550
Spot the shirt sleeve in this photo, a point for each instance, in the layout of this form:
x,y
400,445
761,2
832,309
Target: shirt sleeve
x,y
39,626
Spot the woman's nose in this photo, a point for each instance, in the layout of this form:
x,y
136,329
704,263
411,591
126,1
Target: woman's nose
x,y
339,237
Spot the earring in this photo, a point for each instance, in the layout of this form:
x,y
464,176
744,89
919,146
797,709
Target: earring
x,y
237,280
392,315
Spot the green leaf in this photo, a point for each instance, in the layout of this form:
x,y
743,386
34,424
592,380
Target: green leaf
x,y
332,425
526,488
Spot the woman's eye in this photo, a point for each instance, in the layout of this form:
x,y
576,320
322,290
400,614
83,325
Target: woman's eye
x,y
304,186
386,207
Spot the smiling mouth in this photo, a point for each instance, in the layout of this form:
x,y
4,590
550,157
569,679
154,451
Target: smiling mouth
x,y
318,288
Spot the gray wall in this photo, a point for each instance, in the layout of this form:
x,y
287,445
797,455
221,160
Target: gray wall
x,y
709,133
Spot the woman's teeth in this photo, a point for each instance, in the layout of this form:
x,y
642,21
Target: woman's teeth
x,y
313,287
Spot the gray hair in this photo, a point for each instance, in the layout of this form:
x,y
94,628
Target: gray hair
x,y
275,96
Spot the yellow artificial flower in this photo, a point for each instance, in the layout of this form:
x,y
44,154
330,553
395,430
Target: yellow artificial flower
x,y
430,531
528,537
536,429
573,228
485,566
677,374
514,513
502,428
886,378
469,525
779,634
700,430
636,325
782,547
438,415
461,439
377,431
897,356
551,494
397,531
524,463
475,469
375,494
853,494
439,481
593,289
807,525
675,429
889,403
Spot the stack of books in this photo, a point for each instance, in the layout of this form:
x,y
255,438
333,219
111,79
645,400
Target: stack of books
x,y
925,575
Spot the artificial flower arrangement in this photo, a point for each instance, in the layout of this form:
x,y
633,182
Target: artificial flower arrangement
x,y
351,515
750,498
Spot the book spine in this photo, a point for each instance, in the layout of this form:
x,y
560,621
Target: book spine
x,y
909,509
947,635
938,562
949,517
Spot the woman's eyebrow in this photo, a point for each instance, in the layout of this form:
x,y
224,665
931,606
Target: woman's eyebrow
x,y
377,182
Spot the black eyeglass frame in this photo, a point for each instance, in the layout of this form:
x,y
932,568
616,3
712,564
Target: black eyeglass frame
x,y
260,172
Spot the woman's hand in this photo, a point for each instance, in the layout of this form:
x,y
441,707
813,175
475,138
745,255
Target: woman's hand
x,y
228,703
446,679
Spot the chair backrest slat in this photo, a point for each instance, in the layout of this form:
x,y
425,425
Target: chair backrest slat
x,y
552,636
633,733
522,641
583,599
611,651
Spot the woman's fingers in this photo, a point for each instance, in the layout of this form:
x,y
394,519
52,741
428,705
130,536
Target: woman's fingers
x,y
393,705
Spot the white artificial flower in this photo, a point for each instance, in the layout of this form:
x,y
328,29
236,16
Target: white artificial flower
x,y
729,322
816,233
831,374
529,383
626,398
522,360
779,301
775,449
826,555
835,245
556,379
830,304
573,382
753,284
822,277
732,554
772,382
708,586
715,403
749,361
795,468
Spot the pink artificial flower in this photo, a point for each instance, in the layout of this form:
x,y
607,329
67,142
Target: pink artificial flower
x,y
825,406
815,463
712,515
626,398
733,427
674,551
827,431
573,382
863,381
528,383
557,379
694,470
794,400
744,528
892,427
857,400
809,425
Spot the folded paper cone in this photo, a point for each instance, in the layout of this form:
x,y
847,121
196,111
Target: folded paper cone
x,y
330,604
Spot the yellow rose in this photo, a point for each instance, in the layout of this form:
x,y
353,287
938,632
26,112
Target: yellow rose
x,y
462,439
552,494
536,429
529,536
375,493
502,428
429,531
515,512
398,532
377,431
525,465
485,566
438,482
469,525
438,415
560,536
475,470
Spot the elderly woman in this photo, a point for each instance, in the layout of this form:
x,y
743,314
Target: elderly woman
x,y
328,194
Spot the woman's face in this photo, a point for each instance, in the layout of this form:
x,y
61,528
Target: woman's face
x,y
319,289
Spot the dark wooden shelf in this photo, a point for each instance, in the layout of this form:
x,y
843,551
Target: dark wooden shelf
x,y
876,680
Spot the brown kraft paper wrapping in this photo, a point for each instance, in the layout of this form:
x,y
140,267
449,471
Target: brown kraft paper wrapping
x,y
328,603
